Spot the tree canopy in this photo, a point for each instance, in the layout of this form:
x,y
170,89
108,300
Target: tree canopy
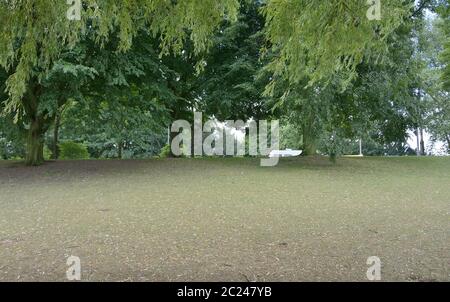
x,y
317,39
34,33
112,75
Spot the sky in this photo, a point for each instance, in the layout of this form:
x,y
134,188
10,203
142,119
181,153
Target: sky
x,y
437,149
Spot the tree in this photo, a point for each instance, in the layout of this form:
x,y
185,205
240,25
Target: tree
x,y
128,101
61,84
436,93
375,106
11,137
35,33
232,83
320,38
444,27
328,81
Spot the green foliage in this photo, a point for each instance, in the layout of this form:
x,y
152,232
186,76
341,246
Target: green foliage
x,y
73,150
116,79
165,152
47,153
290,136
232,83
34,33
444,12
12,139
320,38
434,97
383,101
123,109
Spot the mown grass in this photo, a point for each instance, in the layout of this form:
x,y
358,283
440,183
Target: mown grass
x,y
226,219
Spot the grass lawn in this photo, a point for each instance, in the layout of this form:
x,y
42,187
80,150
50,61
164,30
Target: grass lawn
x,y
226,219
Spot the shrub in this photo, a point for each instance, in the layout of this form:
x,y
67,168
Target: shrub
x,y
73,150
47,153
165,151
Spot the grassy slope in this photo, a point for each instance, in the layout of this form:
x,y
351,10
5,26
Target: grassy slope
x,y
226,220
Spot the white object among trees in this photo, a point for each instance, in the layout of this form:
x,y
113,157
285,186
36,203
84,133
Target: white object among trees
x,y
285,153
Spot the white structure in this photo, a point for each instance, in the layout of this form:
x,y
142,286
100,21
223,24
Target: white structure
x,y
360,147
285,153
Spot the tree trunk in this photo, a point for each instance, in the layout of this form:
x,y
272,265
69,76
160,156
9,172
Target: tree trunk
x,y
120,150
309,146
309,140
422,143
38,126
55,154
35,144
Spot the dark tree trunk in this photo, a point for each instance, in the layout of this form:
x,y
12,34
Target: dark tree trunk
x,y
38,127
309,144
35,143
309,139
56,136
120,150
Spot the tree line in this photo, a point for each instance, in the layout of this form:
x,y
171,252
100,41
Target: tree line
x,y
118,77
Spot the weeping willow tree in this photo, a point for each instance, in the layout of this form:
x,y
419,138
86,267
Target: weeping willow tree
x,y
34,33
320,38
318,43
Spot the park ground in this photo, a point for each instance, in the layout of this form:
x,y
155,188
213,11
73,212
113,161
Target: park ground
x,y
226,219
